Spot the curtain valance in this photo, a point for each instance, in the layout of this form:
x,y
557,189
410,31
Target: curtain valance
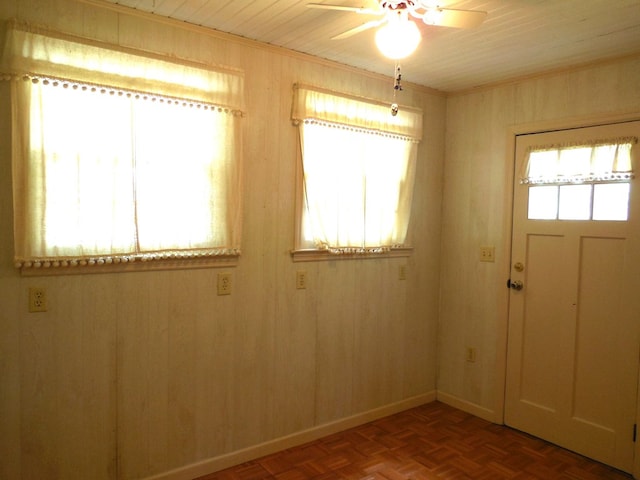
x,y
33,51
596,161
333,107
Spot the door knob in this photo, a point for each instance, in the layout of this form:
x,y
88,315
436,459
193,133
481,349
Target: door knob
x,y
517,285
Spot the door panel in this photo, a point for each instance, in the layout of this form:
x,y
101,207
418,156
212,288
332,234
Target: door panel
x,y
540,323
572,356
600,297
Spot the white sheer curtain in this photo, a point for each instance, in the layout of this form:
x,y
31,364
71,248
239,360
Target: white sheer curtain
x,y
597,161
120,156
30,49
359,169
343,109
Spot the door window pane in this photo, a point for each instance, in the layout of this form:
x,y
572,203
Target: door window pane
x,y
543,203
588,181
575,202
611,201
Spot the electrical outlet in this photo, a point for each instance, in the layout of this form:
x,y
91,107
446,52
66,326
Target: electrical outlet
x,y
37,299
470,354
301,279
224,284
402,272
487,254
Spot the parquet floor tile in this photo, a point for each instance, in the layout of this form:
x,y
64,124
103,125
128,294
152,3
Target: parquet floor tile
x,y
430,442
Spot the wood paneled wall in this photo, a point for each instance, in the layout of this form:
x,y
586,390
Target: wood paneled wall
x,y
134,375
477,203
138,374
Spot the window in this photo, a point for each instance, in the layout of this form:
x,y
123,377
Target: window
x,y
358,164
580,182
113,162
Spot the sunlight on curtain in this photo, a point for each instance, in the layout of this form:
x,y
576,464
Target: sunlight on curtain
x,y
83,170
180,188
49,53
109,172
358,182
597,161
589,181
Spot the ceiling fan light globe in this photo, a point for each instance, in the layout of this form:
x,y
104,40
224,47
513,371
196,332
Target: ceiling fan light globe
x,y
398,39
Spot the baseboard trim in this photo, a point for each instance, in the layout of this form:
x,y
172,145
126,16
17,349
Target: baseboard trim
x,y
251,453
469,407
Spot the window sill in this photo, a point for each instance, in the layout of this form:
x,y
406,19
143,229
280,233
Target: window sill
x,y
312,255
138,266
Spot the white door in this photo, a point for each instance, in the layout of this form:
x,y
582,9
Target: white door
x,y
574,311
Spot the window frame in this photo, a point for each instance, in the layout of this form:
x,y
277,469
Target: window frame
x,y
215,88
409,127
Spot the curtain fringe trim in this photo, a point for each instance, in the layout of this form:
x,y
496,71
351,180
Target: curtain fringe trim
x,y
106,89
358,250
343,126
613,177
121,259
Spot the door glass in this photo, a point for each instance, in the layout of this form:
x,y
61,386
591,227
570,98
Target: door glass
x,y
611,201
589,181
575,202
543,202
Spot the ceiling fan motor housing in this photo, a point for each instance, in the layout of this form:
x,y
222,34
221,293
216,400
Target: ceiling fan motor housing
x,y
396,4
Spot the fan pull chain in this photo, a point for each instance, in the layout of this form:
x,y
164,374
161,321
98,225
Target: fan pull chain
x,y
397,87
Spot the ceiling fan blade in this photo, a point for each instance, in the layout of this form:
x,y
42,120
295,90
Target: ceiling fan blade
x,y
358,29
361,10
451,17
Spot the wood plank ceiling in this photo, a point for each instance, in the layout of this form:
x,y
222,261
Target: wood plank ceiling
x,y
518,38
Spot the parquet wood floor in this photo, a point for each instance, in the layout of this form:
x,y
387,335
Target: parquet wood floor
x,y
431,442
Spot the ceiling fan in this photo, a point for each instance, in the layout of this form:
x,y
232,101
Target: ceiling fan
x,y
400,36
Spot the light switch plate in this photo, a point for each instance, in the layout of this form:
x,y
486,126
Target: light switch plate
x,y
487,254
